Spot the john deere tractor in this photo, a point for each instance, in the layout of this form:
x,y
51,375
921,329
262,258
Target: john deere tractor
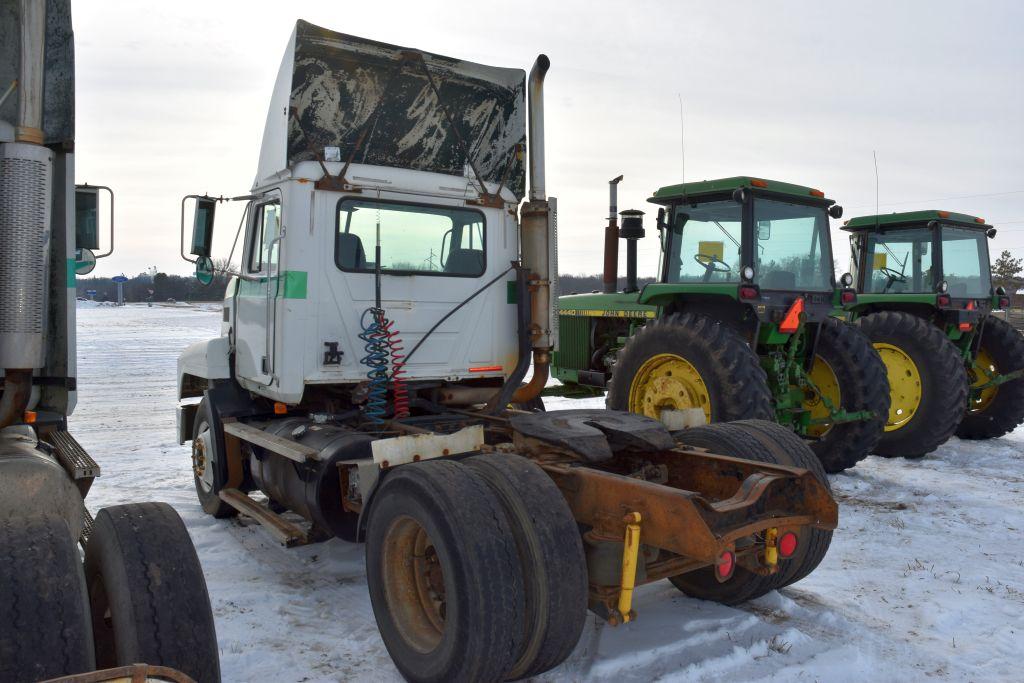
x,y
925,299
741,324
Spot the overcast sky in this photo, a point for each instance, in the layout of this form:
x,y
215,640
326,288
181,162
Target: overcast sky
x,y
172,98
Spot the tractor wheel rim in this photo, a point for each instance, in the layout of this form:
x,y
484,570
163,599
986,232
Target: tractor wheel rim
x,y
904,385
824,377
201,461
979,374
414,585
668,382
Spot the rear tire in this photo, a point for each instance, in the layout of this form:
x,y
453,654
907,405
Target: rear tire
x,y
45,630
736,442
730,373
1005,411
862,382
551,555
210,470
147,592
942,389
444,575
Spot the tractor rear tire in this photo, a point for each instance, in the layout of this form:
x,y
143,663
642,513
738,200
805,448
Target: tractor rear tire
x,y
726,373
861,377
215,468
789,449
739,440
147,592
551,554
942,387
44,619
1004,410
444,575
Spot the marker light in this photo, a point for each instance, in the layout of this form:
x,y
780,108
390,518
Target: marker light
x,y
791,323
1004,302
817,193
943,300
848,296
748,292
964,327
758,183
943,214
725,565
787,544
979,220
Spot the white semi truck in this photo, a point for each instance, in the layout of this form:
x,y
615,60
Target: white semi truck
x,y
76,594
392,294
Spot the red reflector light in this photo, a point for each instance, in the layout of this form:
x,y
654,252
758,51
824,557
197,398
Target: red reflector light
x,y
725,565
943,300
748,293
758,183
486,368
964,327
787,544
817,193
791,323
1004,303
848,296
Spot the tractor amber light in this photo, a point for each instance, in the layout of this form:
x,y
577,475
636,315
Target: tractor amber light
x,y
787,544
486,368
848,296
817,193
280,408
725,565
970,306
30,417
748,292
943,300
979,220
758,183
943,214
791,323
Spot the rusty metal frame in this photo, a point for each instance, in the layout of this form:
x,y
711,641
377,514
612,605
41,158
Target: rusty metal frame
x,y
133,673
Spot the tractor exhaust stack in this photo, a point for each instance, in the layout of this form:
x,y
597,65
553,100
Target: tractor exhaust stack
x,y
611,239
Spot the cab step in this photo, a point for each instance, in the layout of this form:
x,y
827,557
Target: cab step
x,y
285,532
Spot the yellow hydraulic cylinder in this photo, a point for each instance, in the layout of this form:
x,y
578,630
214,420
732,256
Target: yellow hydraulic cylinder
x,y
771,550
630,553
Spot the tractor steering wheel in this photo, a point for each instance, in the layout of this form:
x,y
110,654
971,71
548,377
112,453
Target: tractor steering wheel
x,y
709,261
893,275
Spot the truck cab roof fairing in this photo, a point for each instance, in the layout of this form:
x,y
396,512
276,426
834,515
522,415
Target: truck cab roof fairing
x,y
385,105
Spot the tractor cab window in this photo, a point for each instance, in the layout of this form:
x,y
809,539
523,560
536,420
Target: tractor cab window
x,y
899,261
704,244
965,262
414,239
792,248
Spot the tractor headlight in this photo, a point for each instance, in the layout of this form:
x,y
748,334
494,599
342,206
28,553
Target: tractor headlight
x,y
748,273
846,279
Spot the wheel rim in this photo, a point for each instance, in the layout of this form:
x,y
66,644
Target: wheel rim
x,y
904,385
983,367
824,377
668,382
201,465
414,586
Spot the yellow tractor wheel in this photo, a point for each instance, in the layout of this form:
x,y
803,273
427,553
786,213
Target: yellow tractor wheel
x,y
668,381
904,385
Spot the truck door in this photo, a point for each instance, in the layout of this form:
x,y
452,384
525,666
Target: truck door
x,y
256,307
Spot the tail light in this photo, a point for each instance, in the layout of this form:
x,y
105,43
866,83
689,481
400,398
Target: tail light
x,y
943,300
848,296
1004,302
749,292
787,544
725,565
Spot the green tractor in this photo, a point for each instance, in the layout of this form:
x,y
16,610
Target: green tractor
x,y
743,323
925,299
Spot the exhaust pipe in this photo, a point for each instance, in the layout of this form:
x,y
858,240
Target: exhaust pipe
x,y
611,239
535,236
25,225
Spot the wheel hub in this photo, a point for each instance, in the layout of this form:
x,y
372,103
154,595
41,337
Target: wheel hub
x,y
414,584
904,385
668,382
979,374
200,459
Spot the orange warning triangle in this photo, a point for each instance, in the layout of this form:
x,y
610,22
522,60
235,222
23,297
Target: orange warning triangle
x,y
791,323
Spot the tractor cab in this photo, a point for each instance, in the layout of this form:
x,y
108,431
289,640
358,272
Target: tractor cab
x,y
758,247
933,259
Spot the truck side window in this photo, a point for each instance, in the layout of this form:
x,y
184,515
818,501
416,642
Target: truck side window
x,y
264,245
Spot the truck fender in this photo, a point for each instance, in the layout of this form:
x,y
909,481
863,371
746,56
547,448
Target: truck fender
x,y
202,362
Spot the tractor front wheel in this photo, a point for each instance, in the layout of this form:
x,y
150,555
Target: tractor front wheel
x,y
995,410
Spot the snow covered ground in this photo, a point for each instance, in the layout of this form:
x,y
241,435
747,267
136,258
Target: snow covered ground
x,y
924,580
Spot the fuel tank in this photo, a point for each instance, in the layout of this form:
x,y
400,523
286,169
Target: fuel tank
x,y
312,489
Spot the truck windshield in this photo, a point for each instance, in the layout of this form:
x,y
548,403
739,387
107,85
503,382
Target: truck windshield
x,y
899,261
793,251
705,243
965,262
415,239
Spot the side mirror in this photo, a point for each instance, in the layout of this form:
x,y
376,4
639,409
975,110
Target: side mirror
x,y
202,226
835,211
204,270
661,219
764,230
87,219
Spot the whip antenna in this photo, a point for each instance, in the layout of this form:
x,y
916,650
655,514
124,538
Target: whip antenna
x,y
682,140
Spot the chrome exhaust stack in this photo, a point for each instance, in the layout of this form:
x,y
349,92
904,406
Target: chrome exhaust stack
x,y
26,181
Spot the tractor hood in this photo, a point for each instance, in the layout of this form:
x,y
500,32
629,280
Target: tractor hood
x,y
390,106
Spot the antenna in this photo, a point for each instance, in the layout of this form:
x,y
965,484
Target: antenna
x,y
874,155
682,140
